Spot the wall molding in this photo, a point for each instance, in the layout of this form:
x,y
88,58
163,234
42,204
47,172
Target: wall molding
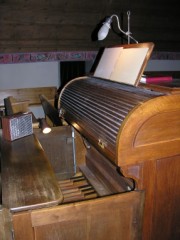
x,y
165,56
8,58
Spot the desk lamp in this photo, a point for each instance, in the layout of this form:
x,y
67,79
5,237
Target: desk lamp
x,y
44,126
104,30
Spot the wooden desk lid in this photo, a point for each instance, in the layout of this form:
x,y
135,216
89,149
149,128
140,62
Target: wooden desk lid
x,y
28,181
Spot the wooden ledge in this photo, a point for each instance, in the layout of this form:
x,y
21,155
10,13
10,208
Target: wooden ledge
x,y
28,181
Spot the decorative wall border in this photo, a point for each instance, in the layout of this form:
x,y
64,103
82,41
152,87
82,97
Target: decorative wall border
x,y
8,58
165,56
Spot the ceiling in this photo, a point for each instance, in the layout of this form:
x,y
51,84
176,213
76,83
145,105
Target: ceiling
x,y
66,25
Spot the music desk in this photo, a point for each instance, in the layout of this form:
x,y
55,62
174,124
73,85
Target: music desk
x,y
38,210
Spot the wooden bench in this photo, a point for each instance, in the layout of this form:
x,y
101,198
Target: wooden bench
x,y
28,94
19,100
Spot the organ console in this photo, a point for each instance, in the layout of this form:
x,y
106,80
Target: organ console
x,y
126,156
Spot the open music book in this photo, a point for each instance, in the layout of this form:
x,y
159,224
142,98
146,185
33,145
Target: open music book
x,y
124,64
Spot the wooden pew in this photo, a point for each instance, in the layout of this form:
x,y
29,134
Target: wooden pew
x,y
19,100
28,94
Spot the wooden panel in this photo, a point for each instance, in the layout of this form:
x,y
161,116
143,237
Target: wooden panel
x,y
28,94
51,32
167,202
12,107
161,141
44,16
59,138
72,25
156,126
28,180
80,150
116,217
5,224
22,226
32,45
106,172
161,180
50,111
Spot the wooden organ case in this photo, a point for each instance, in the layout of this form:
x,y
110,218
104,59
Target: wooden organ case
x,y
126,180
138,131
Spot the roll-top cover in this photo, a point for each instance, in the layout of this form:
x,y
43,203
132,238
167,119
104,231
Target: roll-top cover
x,y
112,116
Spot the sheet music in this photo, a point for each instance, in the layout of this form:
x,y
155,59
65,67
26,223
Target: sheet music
x,y
107,62
121,64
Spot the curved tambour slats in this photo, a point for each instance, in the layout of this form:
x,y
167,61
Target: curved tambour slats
x,y
98,107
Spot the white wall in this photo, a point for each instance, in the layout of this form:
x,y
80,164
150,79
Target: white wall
x,y
163,65
24,75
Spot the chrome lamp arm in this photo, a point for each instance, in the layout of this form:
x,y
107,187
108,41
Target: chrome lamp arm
x,y
104,30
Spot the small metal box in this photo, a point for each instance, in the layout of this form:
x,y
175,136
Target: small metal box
x,y
17,126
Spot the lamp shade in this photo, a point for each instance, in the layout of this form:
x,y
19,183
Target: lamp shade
x,y
104,30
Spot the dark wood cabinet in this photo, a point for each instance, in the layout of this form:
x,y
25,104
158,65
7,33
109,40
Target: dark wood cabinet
x,y
117,173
